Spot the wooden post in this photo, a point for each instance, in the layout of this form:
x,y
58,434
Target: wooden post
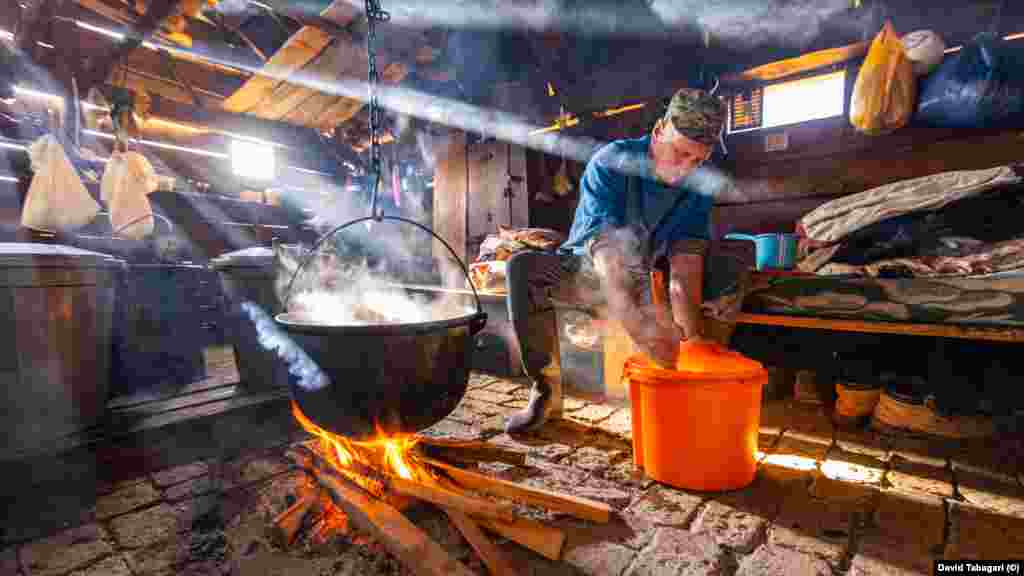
x,y
450,193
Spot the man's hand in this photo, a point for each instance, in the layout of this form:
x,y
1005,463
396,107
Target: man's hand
x,y
660,341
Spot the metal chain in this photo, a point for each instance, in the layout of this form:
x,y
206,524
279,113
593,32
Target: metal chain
x,y
374,14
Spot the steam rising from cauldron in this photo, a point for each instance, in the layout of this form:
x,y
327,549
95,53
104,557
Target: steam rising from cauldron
x,y
309,376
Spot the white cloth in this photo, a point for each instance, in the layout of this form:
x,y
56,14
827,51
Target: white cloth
x,y
56,200
127,183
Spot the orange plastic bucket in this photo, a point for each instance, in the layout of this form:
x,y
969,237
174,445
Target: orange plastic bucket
x,y
696,427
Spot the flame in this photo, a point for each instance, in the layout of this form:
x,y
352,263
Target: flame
x,y
388,454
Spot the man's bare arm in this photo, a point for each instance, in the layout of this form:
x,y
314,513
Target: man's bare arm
x,y
685,283
656,338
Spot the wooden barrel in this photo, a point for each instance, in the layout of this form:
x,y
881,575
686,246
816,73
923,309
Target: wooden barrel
x,y
57,302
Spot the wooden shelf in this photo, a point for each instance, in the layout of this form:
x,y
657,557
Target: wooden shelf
x,y
988,333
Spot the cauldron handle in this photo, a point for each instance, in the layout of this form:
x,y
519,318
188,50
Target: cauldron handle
x,y
312,252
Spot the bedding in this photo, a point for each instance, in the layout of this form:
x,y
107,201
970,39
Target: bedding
x,y
995,299
833,221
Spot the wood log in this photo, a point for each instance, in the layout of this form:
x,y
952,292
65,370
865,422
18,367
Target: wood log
x,y
583,508
543,540
285,527
447,499
381,486
489,553
368,479
409,544
470,451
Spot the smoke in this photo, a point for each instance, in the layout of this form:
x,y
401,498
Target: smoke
x,y
745,23
310,376
341,287
751,23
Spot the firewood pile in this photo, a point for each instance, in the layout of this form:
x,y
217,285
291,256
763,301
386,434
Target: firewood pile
x,y
367,486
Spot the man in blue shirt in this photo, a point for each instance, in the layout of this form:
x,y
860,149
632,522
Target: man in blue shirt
x,y
643,203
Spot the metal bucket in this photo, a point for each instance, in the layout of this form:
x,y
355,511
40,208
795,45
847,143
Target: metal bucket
x,y
390,378
248,276
57,303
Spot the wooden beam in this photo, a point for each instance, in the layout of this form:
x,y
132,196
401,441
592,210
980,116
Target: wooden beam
x,y
89,9
251,126
800,64
212,79
143,81
122,16
989,333
156,13
299,50
37,21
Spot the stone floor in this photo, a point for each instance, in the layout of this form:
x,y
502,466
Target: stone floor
x,y
824,502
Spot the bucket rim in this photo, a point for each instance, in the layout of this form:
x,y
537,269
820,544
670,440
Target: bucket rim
x,y
654,375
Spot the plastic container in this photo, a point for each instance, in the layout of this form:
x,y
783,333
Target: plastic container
x,y
773,251
248,276
57,303
696,427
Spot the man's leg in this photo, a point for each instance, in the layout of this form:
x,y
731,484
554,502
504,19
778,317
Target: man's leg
x,y
530,275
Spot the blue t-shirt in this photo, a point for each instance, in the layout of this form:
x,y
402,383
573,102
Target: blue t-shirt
x,y
604,204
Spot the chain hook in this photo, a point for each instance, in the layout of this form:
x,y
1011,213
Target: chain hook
x,y
374,14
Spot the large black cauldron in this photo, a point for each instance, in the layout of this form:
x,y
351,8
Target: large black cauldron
x,y
392,378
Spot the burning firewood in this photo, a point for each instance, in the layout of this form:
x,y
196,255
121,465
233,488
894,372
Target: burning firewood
x,y
285,527
468,451
409,544
369,482
582,508
415,489
530,534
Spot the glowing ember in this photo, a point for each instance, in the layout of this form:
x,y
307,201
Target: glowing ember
x,y
389,455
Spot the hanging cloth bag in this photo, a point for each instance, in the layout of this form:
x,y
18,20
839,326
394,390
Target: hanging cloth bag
x,y
127,183
57,201
885,92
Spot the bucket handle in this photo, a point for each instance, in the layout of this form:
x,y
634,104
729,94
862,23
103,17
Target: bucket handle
x,y
739,236
153,215
312,252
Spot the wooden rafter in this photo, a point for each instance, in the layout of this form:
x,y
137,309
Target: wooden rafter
x,y
123,18
156,13
800,64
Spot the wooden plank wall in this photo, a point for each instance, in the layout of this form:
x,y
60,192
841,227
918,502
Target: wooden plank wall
x,y
450,193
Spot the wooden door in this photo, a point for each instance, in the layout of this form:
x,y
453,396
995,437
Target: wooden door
x,y
497,189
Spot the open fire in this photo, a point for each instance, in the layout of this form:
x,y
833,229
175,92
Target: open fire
x,y
390,455
363,486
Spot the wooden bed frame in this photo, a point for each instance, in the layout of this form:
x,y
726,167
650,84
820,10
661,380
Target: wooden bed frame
x,y
989,333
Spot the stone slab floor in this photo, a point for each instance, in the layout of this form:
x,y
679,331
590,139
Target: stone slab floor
x,y
824,502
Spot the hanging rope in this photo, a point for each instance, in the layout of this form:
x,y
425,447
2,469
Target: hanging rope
x,y
374,14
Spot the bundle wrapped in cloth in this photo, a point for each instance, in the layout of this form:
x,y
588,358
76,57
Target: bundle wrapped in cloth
x,y
488,272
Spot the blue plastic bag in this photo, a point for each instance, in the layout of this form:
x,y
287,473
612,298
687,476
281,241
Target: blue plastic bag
x,y
981,86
